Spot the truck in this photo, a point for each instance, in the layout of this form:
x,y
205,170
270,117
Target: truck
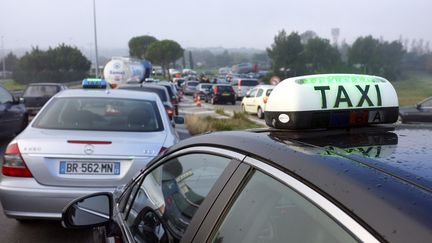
x,y
121,70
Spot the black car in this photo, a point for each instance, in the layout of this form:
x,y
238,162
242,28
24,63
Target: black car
x,y
161,91
13,114
348,177
174,98
221,93
421,112
37,94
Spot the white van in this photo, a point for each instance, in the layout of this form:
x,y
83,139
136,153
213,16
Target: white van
x,y
242,86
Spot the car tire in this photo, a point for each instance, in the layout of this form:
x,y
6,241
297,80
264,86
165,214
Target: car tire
x,y
233,102
260,113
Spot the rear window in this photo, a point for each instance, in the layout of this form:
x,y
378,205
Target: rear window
x,y
246,82
192,84
160,92
206,86
169,89
224,88
100,114
41,90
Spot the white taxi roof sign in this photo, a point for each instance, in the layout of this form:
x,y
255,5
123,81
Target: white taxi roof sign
x,y
331,100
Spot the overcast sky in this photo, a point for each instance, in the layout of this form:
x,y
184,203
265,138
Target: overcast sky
x,y
207,23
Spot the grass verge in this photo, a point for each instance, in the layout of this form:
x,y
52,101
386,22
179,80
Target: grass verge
x,y
10,84
414,88
199,124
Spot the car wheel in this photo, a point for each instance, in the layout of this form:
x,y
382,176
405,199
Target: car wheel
x,y
260,113
233,102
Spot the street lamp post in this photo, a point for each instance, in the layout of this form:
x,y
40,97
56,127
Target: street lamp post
x,y
3,59
95,37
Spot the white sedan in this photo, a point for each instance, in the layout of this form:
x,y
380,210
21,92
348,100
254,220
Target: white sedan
x,y
82,141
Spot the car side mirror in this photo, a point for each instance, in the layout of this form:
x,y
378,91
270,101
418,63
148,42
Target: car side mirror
x,y
178,120
89,211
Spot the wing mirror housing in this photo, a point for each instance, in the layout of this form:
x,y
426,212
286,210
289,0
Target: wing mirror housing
x,y
90,211
179,120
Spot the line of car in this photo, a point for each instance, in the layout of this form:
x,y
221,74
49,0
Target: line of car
x,y
82,141
318,174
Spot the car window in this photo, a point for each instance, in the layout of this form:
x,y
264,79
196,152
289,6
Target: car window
x,y
252,93
268,92
246,82
224,88
5,96
427,104
259,93
41,91
160,92
267,210
101,114
170,195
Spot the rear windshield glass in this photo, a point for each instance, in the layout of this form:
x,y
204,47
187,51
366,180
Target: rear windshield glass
x,y
160,92
193,84
246,82
206,86
268,92
41,90
100,114
224,88
169,89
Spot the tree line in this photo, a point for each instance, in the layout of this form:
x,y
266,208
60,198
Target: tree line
x,y
299,54
60,64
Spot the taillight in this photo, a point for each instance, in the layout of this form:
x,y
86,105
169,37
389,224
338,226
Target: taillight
x,y
170,112
215,89
13,163
265,98
240,83
162,149
174,101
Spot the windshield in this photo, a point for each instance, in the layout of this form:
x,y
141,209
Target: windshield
x,y
41,90
100,114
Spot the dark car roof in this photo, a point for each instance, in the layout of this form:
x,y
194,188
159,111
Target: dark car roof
x,y
56,84
382,178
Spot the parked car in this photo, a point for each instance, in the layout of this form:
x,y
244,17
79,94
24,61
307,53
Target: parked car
x,y
81,142
172,91
356,180
421,112
221,93
13,114
161,91
203,91
189,87
36,95
255,100
242,86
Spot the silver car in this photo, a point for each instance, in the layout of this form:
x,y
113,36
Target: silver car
x,y
82,141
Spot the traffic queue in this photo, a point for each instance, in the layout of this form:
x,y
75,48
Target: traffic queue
x,y
330,167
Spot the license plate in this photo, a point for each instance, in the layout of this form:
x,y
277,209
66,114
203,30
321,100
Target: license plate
x,y
89,168
225,94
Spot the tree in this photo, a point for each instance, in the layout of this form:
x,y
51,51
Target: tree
x,y
191,63
11,62
164,52
138,45
286,53
307,35
61,64
321,55
365,51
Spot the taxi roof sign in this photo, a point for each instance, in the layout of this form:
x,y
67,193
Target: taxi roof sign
x,y
331,100
94,83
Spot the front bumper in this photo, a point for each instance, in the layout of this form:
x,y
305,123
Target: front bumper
x,y
24,198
